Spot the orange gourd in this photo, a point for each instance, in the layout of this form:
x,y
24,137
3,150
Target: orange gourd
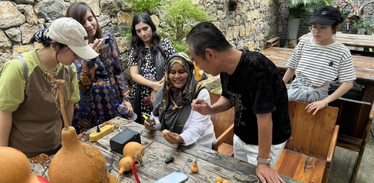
x,y
125,165
133,150
15,167
194,168
77,161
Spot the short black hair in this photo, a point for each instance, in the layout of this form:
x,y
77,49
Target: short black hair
x,y
206,35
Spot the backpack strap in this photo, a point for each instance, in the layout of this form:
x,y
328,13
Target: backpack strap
x,y
70,72
25,72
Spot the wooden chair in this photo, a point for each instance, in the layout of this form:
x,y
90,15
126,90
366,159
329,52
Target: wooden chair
x,y
224,128
355,121
273,42
308,154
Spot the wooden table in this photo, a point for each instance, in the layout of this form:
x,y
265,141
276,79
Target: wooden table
x,y
211,163
356,40
364,68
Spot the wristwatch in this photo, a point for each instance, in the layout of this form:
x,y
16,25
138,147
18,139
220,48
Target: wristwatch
x,y
267,161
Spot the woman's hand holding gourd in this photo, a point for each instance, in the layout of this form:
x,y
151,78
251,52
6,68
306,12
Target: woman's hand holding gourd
x,y
173,138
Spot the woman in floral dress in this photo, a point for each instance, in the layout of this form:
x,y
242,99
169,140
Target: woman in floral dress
x,y
102,79
147,61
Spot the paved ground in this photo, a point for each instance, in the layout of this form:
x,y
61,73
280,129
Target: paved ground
x,y
344,160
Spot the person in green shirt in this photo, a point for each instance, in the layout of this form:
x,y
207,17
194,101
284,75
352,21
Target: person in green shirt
x,y
29,117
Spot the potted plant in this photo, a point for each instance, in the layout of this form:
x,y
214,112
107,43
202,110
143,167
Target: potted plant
x,y
297,9
363,26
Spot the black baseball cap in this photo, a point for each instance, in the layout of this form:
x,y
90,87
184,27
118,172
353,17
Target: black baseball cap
x,y
327,16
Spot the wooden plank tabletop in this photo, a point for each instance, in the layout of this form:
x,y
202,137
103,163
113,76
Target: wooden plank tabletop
x,y
364,66
211,163
356,40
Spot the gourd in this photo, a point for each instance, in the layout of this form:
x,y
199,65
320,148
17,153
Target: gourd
x,y
125,165
75,161
15,167
219,179
133,151
164,131
194,168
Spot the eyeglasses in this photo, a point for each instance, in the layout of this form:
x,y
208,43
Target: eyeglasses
x,y
315,29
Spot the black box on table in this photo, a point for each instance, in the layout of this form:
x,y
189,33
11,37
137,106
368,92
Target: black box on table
x,y
120,140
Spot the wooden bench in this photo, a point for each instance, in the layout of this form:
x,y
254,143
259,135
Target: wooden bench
x,y
308,154
355,122
275,41
223,127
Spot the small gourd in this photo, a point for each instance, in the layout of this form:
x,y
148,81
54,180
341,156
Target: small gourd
x,y
125,165
225,181
194,167
219,179
164,131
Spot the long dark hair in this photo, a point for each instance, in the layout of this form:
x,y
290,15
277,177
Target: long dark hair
x,y
138,45
78,11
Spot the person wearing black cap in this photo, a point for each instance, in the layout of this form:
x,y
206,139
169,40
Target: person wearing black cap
x,y
319,60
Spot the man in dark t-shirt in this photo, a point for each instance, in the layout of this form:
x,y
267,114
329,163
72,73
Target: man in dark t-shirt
x,y
252,84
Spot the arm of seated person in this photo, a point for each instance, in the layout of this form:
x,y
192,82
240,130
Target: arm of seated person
x,y
288,75
318,105
197,123
157,125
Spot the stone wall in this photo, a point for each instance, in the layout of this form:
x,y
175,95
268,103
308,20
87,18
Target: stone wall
x,y
248,27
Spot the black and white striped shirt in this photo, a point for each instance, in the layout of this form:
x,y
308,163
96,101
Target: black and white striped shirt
x,y
319,65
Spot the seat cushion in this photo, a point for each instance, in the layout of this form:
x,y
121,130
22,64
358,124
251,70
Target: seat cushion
x,y
226,149
291,164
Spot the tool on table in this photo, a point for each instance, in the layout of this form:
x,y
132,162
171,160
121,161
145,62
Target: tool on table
x,y
169,160
308,161
152,123
101,132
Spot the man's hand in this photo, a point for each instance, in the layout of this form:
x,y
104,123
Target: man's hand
x,y
316,106
201,106
173,138
267,174
149,126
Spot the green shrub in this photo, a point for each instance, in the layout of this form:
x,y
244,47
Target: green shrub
x,y
140,6
180,14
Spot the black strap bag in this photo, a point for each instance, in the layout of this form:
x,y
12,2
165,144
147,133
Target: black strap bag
x,y
355,93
